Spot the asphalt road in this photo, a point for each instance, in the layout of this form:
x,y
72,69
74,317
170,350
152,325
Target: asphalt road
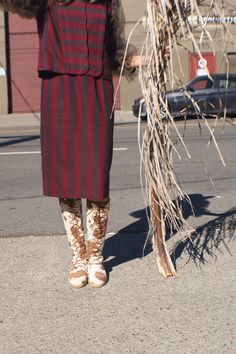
x,y
21,190
137,311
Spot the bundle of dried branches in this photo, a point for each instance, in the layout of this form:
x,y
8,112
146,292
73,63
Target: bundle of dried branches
x,y
169,23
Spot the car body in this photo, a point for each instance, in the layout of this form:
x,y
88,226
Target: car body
x,y
213,95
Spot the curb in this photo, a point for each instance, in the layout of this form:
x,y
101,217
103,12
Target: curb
x,y
20,120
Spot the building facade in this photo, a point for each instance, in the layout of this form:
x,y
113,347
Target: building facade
x,y
3,76
20,86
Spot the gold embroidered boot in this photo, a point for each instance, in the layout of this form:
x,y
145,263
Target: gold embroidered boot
x,y
97,217
73,222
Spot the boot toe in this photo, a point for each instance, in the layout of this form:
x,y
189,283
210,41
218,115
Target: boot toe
x,y
78,279
97,276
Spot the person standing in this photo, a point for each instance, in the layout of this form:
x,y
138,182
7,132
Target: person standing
x,y
81,43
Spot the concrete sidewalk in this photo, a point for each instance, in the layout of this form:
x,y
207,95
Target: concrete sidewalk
x,y
138,311
33,119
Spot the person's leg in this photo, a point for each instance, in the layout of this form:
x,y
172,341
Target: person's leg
x,y
97,217
73,222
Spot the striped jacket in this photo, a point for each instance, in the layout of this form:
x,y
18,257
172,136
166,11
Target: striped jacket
x,y
73,39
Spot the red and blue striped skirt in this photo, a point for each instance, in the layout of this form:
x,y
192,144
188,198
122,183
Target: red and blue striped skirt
x,y
76,136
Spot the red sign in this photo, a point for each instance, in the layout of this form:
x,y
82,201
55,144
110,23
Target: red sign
x,y
195,64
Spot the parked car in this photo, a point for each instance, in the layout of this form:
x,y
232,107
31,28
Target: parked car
x,y
213,95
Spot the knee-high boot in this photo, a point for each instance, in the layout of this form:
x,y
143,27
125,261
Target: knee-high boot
x,y
97,217
73,222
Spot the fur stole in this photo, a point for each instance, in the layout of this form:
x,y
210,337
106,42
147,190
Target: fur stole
x,y
31,8
24,8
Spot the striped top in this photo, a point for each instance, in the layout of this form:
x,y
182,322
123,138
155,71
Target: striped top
x,y
73,39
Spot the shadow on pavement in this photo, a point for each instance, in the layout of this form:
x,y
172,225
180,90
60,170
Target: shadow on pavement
x,y
18,140
198,206
129,243
208,238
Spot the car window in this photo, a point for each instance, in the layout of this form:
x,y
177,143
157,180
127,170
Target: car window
x,y
223,83
202,84
232,82
227,83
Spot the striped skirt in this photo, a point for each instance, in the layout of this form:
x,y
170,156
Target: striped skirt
x,y
76,136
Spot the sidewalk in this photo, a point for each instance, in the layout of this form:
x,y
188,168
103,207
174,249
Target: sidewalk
x,y
33,119
137,312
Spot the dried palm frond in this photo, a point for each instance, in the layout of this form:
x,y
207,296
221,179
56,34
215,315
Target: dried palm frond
x,y
169,23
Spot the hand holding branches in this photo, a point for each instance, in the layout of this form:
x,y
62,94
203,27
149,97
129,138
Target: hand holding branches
x,y
136,61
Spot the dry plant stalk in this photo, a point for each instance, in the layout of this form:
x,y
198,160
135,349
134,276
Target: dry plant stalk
x,y
168,23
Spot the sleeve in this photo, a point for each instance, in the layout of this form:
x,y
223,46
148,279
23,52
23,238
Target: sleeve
x,y
117,41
